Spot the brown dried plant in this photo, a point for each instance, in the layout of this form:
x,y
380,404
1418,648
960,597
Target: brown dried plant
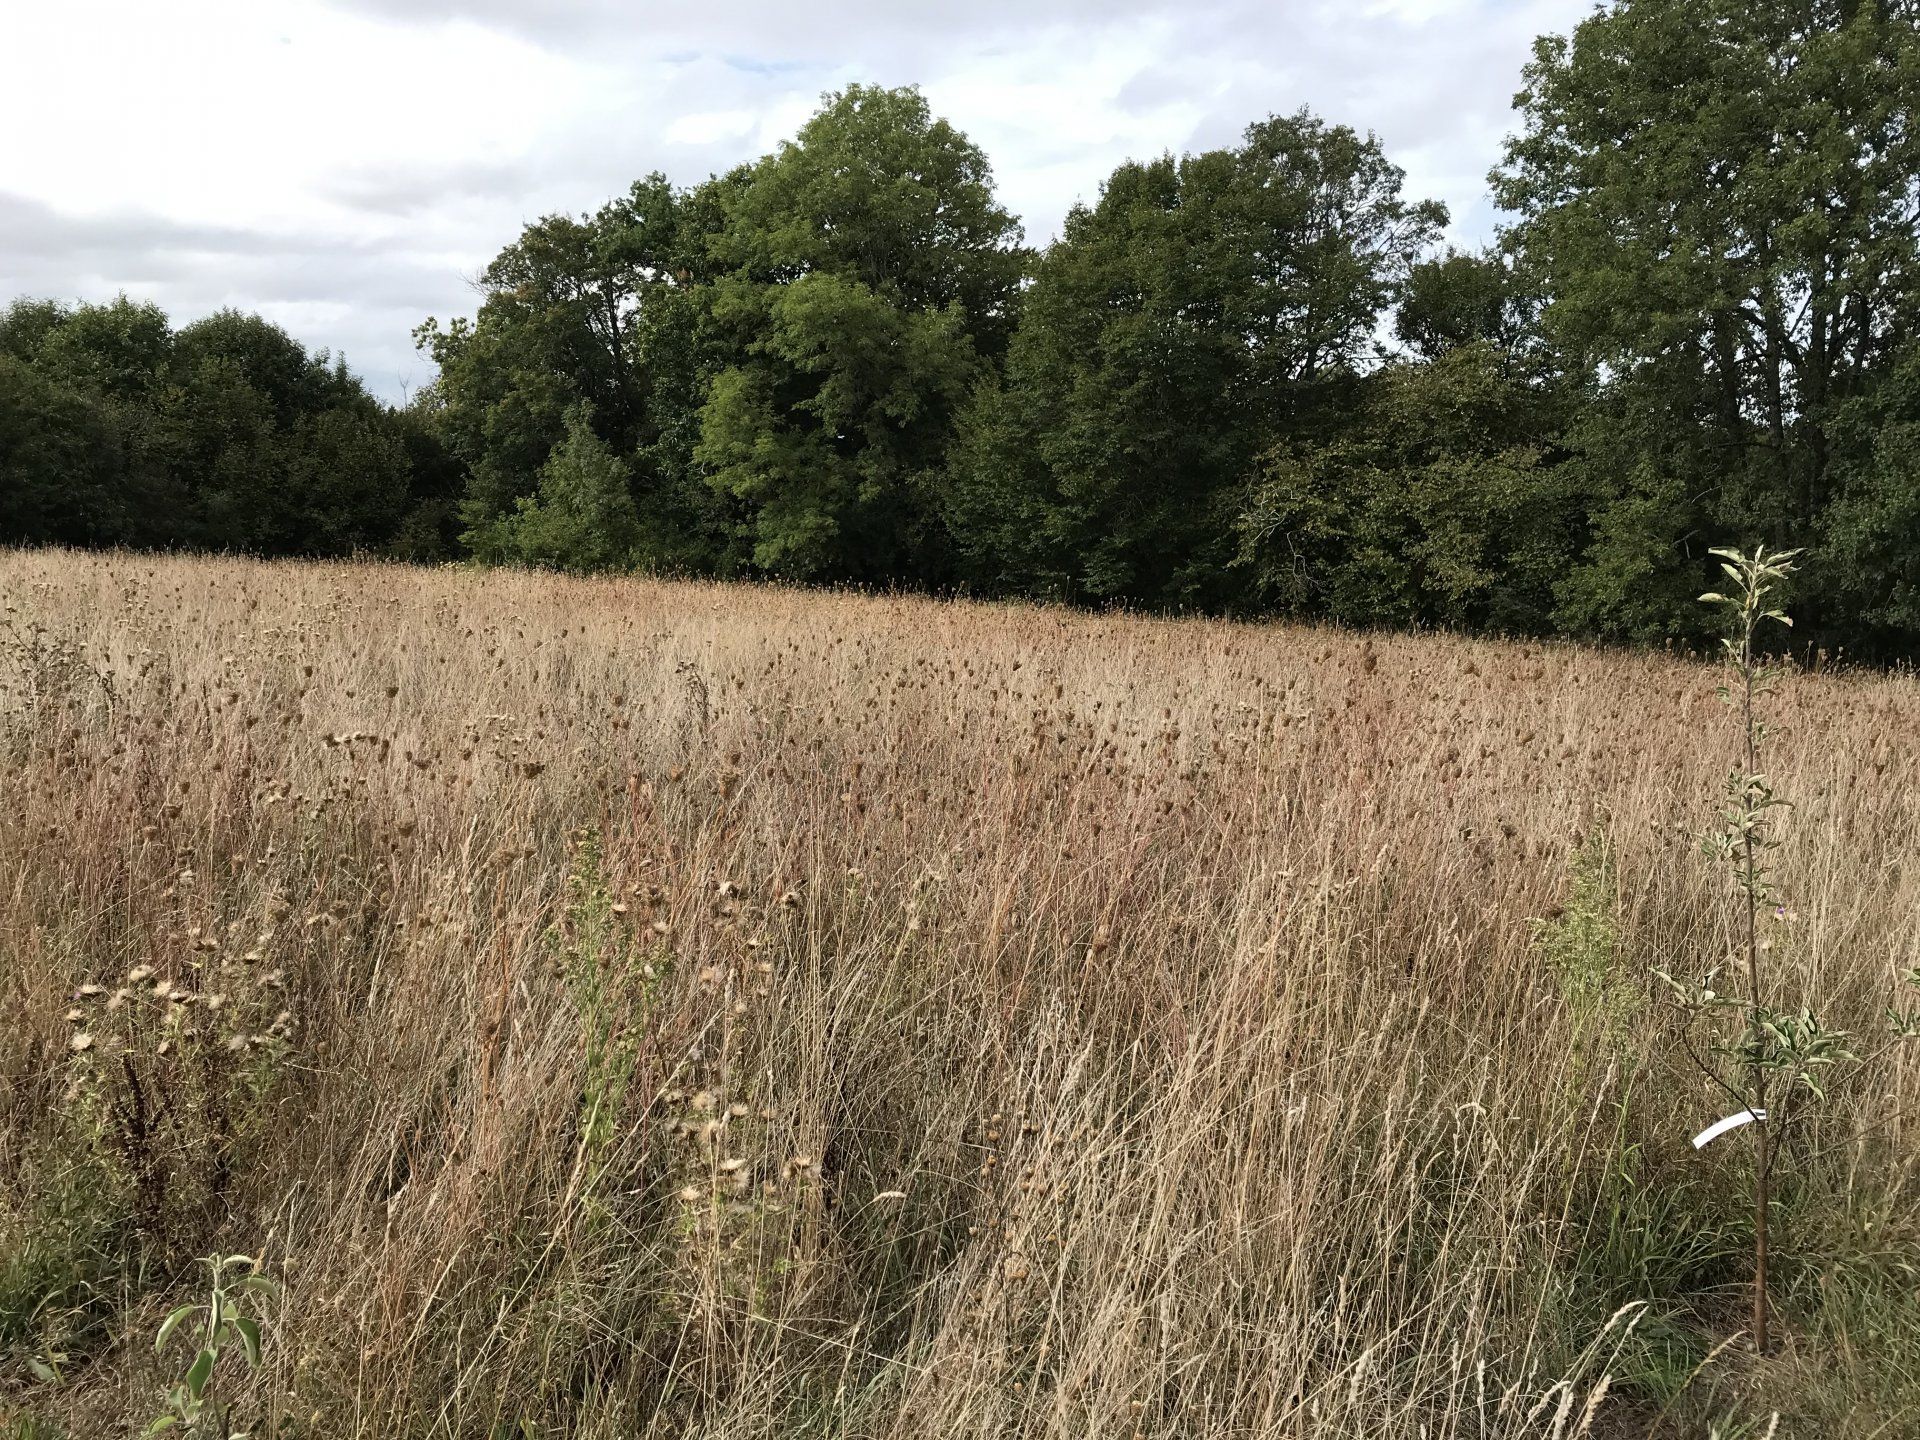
x,y
737,1011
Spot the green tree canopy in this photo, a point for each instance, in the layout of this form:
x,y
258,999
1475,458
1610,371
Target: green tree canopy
x,y
1720,200
1462,299
1201,310
226,434
1440,499
866,279
598,311
61,463
583,518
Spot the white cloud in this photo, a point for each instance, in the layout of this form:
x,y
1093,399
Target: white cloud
x,y
345,167
711,127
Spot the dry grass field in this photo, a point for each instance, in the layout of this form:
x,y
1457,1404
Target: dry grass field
x,y
616,1009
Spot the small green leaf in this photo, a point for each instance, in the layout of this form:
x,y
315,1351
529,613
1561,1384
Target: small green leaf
x,y
165,1422
199,1374
250,1338
169,1325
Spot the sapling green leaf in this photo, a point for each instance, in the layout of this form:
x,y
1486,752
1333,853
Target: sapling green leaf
x,y
225,1327
170,1324
249,1333
199,1373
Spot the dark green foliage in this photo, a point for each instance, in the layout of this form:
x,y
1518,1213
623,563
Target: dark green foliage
x,y
120,351
1205,308
1869,558
117,430
62,460
1441,499
583,517
1460,300
599,311
1718,198
1647,474
866,280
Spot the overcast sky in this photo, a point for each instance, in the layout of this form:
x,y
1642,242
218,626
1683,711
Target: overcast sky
x,y
346,166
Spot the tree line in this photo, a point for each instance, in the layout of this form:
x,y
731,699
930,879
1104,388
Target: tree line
x,y
1249,380
226,434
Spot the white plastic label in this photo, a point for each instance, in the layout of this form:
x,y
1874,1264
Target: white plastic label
x,y
1720,1127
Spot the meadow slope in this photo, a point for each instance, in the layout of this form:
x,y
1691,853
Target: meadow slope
x,y
621,1008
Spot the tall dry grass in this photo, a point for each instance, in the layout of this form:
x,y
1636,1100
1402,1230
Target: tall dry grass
x,y
653,1009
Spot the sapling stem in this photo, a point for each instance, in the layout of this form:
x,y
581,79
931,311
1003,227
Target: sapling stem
x,y
1752,797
